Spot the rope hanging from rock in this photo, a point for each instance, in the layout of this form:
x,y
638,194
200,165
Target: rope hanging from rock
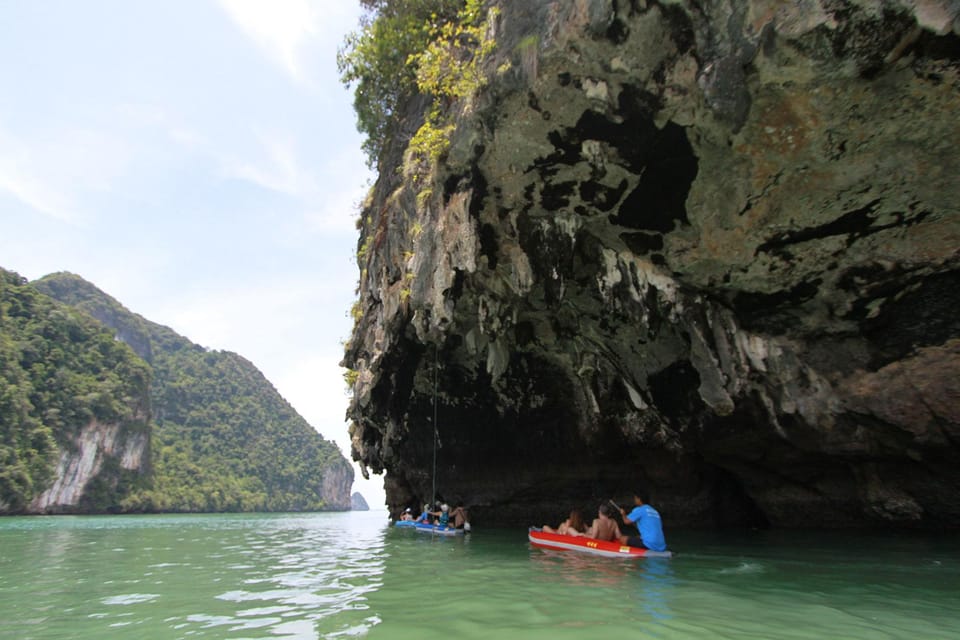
x,y
433,495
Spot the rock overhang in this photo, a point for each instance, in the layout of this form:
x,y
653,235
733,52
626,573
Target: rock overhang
x,y
680,249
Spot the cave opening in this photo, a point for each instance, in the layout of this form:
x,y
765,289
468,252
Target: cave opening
x,y
489,247
732,506
674,390
659,201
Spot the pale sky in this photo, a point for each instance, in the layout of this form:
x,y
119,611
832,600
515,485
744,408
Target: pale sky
x,y
198,160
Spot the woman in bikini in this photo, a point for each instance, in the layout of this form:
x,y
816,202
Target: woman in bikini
x,y
604,527
574,525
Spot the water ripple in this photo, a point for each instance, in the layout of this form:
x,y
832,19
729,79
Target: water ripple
x,y
349,575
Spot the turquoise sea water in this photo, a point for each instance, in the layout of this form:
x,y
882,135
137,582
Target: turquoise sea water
x,y
351,575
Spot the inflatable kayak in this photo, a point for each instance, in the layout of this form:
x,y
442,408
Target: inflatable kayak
x,y
560,542
428,528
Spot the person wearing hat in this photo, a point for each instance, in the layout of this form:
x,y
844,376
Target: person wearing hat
x,y
443,516
407,514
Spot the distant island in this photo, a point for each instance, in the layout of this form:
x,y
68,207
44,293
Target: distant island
x,y
103,411
358,502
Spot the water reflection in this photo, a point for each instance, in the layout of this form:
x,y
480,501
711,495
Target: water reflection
x,y
645,582
656,584
579,569
304,573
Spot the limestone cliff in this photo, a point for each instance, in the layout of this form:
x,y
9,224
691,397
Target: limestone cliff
x,y
358,502
74,408
98,454
708,248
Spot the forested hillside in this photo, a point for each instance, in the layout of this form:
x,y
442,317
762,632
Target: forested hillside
x,y
80,374
224,439
59,371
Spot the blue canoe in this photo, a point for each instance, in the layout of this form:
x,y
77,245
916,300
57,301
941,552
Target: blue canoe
x,y
428,528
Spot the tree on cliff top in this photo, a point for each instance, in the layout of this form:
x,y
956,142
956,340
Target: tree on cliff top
x,y
376,59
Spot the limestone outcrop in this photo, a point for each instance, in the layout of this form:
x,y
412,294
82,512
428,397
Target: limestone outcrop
x,y
99,453
358,502
709,249
337,484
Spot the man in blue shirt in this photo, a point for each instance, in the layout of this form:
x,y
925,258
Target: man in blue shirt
x,y
648,523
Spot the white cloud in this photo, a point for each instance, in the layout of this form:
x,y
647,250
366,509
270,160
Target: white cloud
x,y
280,171
31,191
280,29
141,117
52,173
337,212
256,317
143,114
328,197
274,164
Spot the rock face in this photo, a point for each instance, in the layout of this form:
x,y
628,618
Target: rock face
x,y
709,249
337,482
95,447
358,503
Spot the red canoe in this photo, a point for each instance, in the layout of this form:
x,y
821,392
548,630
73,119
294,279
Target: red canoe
x,y
560,542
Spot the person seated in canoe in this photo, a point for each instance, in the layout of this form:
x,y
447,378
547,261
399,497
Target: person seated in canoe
x,y
648,524
604,527
407,514
442,516
424,518
460,518
574,523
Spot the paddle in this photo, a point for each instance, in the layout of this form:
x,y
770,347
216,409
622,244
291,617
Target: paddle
x,y
620,512
617,507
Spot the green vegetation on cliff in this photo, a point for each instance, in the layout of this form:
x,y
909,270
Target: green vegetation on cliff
x,y
223,438
226,441
374,59
409,47
59,370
